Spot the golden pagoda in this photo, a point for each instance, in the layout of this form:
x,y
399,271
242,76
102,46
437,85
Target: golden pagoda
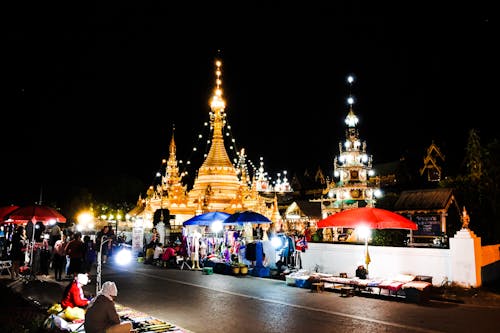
x,y
218,186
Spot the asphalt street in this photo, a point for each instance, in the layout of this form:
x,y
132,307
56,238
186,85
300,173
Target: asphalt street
x,y
198,303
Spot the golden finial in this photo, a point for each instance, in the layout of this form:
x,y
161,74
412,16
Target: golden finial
x,y
218,103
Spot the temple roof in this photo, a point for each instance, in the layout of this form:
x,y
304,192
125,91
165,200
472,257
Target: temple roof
x,y
425,200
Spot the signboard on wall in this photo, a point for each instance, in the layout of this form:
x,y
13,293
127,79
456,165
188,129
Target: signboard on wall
x,y
137,238
428,225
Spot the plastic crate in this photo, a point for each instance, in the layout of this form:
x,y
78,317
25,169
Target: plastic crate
x,y
207,270
303,283
261,272
290,281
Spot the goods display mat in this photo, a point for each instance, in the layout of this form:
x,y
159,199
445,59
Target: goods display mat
x,y
144,323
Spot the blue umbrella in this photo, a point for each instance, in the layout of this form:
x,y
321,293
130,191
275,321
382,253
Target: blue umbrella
x,y
246,216
206,218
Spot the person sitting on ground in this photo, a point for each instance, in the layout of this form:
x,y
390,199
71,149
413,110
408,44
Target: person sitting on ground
x,y
168,256
158,251
361,272
101,315
73,295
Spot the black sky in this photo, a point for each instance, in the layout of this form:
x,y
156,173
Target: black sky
x,y
92,91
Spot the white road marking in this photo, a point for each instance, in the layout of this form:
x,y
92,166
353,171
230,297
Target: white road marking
x,y
382,322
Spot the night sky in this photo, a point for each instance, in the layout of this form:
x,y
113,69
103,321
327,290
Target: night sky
x,y
92,92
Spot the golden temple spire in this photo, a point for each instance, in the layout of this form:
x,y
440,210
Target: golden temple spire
x,y
172,147
216,186
217,156
172,173
217,103
176,192
217,173
275,215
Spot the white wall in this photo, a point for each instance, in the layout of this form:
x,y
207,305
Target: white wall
x,y
385,261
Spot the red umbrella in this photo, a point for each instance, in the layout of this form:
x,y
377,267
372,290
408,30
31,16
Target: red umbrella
x,y
35,213
6,210
371,217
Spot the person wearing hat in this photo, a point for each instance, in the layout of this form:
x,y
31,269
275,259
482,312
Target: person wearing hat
x,y
101,315
73,294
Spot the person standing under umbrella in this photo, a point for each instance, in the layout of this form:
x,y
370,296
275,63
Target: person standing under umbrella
x,y
55,235
17,250
45,255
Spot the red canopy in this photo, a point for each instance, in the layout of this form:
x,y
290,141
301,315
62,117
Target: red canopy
x,y
35,213
373,218
6,210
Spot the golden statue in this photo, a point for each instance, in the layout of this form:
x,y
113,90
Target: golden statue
x,y
465,219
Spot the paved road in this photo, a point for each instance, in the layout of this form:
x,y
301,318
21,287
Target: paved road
x,y
221,303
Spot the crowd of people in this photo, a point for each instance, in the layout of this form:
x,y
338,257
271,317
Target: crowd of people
x,y
161,254
61,250
72,258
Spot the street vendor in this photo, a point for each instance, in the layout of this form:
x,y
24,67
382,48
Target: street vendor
x,y
361,272
73,295
101,315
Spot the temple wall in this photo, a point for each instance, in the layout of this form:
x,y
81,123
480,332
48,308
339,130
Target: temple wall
x,y
465,263
490,264
385,261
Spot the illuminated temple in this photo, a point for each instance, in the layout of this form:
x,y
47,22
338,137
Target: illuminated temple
x,y
354,184
218,186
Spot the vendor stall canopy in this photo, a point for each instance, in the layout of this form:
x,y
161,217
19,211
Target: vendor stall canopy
x,y
371,217
6,210
246,216
34,213
206,219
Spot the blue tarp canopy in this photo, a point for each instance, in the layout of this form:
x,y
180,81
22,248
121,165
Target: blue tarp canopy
x,y
246,216
206,219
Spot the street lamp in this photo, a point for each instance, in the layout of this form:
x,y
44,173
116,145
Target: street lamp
x,y
123,257
364,232
160,226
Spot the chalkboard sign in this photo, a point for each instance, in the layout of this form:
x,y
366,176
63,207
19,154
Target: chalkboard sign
x,y
428,225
